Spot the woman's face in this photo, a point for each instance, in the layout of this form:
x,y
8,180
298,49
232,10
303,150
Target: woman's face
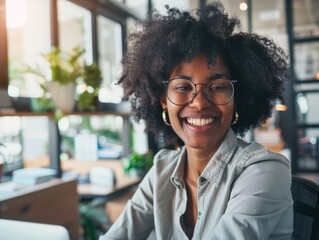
x,y
201,124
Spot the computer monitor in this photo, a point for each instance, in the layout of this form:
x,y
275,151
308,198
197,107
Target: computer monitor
x,y
17,230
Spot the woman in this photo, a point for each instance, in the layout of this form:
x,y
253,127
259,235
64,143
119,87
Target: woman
x,y
197,84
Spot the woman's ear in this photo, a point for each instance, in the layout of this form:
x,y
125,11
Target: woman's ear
x,y
163,101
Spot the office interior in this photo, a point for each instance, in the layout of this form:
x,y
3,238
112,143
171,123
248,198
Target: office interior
x,y
101,141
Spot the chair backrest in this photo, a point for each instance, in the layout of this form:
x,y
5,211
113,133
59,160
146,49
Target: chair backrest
x,y
305,194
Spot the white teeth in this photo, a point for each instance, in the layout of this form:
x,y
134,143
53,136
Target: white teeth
x,y
200,121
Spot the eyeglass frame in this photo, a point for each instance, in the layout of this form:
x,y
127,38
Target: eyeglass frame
x,y
219,76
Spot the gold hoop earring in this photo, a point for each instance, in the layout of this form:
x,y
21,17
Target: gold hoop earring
x,y
165,117
236,117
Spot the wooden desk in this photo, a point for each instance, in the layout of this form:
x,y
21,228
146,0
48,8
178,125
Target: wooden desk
x,y
90,191
53,202
310,176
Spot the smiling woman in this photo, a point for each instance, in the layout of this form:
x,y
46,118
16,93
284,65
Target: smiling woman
x,y
197,83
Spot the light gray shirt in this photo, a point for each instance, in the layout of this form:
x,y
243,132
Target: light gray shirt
x,y
243,193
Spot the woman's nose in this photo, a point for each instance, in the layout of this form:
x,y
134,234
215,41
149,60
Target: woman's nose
x,y
200,101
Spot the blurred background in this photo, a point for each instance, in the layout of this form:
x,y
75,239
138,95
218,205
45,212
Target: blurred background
x,y
30,136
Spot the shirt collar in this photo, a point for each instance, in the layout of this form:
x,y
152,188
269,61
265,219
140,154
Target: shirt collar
x,y
177,177
214,170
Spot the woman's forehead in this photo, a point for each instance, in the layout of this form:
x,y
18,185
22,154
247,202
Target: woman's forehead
x,y
201,63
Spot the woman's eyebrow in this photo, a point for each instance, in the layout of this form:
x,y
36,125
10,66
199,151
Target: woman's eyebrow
x,y
218,75
182,76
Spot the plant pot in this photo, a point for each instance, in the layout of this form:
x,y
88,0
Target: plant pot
x,y
63,96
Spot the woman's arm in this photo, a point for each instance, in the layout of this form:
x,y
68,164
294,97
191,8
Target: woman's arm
x,y
136,220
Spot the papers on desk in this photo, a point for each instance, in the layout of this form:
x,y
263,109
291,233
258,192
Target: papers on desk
x,y
85,146
33,176
102,176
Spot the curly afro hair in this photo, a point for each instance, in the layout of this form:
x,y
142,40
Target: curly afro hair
x,y
161,42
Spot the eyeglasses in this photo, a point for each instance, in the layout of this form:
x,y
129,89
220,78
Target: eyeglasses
x,y
181,91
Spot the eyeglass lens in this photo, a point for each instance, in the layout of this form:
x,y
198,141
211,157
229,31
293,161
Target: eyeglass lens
x,y
182,91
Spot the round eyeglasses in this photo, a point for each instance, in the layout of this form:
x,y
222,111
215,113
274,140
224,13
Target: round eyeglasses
x,y
181,91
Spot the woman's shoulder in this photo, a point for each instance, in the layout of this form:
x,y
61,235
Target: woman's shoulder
x,y
253,152
255,163
165,156
166,160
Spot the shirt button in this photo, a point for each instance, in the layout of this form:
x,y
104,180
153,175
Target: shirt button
x,y
199,214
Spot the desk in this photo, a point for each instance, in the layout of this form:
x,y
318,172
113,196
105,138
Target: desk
x,y
53,202
310,176
90,191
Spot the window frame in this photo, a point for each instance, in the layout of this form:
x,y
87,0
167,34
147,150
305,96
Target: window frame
x,y
4,80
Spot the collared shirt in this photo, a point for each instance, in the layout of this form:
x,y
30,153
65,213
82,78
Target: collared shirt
x,y
243,193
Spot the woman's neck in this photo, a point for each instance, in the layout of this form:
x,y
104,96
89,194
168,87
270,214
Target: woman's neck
x,y
196,161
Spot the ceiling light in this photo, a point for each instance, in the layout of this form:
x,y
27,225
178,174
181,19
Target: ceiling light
x,y
243,6
280,106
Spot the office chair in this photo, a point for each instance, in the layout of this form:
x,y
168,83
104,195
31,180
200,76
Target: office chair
x,y
305,194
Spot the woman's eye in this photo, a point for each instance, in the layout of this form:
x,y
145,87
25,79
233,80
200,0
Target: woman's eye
x,y
183,88
217,88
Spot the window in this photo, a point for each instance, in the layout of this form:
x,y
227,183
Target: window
x,y
233,8
306,18
28,30
268,18
139,6
110,55
307,61
75,28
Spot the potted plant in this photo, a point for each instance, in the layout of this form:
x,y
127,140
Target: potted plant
x,y
92,80
60,84
137,164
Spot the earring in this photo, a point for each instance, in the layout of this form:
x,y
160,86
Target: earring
x,y
236,117
165,117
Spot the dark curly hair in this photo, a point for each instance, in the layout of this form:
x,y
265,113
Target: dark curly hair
x,y
161,42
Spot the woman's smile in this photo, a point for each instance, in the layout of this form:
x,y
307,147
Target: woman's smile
x,y
200,121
